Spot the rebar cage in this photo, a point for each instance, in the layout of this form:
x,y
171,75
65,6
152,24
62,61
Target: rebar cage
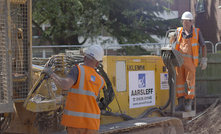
x,y
15,52
20,12
5,59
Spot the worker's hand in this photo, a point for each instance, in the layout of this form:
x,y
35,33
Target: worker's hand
x,y
47,70
172,34
203,63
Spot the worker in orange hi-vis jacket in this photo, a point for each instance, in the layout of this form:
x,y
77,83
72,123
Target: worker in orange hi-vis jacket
x,y
188,41
82,114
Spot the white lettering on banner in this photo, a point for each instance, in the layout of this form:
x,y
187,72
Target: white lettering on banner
x,y
148,97
145,102
141,88
142,98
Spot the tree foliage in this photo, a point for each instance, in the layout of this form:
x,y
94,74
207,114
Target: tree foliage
x,y
129,21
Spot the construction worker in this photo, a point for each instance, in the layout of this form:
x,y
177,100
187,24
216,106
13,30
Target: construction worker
x,y
188,41
82,114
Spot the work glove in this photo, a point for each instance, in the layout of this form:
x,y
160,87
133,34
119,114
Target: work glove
x,y
47,70
203,63
172,34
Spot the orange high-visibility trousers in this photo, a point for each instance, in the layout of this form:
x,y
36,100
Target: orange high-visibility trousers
x,y
186,73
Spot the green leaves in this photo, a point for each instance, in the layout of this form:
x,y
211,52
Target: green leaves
x,y
129,21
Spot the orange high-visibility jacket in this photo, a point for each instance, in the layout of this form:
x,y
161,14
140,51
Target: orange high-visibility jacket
x,y
194,43
81,109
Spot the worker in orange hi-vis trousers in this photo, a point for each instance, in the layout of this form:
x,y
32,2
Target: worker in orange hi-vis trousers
x,y
188,41
82,114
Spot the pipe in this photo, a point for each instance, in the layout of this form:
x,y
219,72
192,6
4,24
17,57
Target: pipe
x,y
211,107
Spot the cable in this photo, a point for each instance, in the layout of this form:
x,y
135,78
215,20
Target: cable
x,y
166,60
127,117
150,111
36,123
124,116
108,92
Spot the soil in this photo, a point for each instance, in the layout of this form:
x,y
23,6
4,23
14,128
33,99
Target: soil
x,y
208,121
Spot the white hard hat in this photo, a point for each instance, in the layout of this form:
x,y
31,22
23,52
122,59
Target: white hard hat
x,y
187,16
95,51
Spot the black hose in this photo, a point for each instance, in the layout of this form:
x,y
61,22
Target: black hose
x,y
150,111
36,122
166,58
127,117
108,92
124,116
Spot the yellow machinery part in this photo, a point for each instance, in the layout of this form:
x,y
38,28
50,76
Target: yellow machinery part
x,y
18,1
118,69
126,86
45,95
41,98
45,105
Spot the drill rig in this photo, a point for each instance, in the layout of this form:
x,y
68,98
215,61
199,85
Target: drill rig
x,y
31,102
16,66
122,110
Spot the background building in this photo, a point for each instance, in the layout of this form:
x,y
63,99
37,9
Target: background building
x,y
207,15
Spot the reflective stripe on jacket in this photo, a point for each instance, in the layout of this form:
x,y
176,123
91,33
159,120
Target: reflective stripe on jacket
x,y
81,109
194,43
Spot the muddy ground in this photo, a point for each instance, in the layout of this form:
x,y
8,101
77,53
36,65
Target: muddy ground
x,y
207,121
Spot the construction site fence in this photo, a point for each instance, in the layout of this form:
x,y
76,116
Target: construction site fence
x,y
121,49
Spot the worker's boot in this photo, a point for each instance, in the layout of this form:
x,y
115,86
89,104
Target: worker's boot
x,y
180,106
188,105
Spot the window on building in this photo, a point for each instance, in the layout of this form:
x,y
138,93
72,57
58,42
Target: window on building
x,y
47,28
200,7
36,32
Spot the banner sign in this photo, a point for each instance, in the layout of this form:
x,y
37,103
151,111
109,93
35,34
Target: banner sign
x,y
141,88
164,81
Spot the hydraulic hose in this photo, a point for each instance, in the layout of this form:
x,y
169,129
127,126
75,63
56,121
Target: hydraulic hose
x,y
124,116
127,117
108,92
166,60
150,111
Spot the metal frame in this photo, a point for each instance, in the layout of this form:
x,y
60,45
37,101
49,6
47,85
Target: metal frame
x,y
6,104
